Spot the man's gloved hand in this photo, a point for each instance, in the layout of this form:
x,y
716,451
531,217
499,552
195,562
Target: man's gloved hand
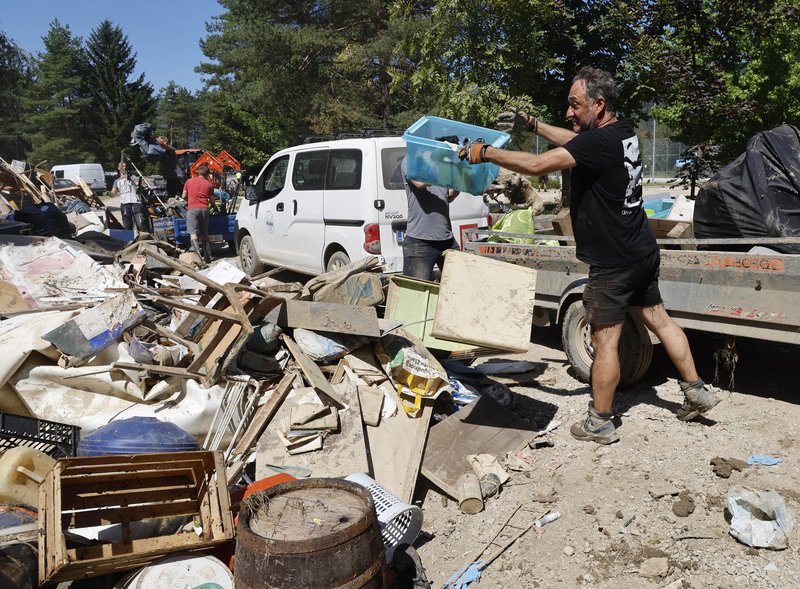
x,y
474,152
514,119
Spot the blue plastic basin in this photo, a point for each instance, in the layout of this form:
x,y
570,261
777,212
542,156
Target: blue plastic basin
x,y
435,162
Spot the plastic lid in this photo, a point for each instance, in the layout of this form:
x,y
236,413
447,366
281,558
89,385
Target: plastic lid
x,y
137,435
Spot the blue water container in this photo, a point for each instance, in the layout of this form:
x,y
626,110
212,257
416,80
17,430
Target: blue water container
x,y
137,435
433,161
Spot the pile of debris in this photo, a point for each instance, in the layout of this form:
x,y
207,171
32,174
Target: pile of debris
x,y
269,378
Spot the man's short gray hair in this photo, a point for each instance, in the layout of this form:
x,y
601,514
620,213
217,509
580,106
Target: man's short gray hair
x,y
599,83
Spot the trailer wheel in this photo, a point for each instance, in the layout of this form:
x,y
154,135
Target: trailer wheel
x,y
635,351
251,264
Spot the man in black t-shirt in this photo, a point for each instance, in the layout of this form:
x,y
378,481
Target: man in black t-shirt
x,y
612,235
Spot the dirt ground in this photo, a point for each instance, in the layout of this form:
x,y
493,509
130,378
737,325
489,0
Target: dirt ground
x,y
619,524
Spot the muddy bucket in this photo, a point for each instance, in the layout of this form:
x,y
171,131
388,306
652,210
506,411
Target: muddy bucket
x,y
309,533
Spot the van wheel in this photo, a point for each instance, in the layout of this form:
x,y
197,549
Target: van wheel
x,y
635,350
248,257
336,261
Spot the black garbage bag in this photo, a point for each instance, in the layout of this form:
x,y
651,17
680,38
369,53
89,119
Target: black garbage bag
x,y
756,195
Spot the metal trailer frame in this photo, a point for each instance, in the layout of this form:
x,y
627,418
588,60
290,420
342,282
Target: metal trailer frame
x,y
733,294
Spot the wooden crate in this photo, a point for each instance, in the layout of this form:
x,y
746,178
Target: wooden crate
x,y
94,491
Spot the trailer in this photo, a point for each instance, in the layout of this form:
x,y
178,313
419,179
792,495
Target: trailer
x,y
221,229
728,293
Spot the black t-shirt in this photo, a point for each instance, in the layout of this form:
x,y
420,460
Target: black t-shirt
x,y
606,206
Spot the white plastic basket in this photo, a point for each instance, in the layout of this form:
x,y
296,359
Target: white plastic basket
x,y
400,522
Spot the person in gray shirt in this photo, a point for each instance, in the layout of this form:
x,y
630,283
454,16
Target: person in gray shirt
x,y
428,230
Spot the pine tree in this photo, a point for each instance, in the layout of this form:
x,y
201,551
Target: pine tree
x,y
15,76
118,100
57,103
179,115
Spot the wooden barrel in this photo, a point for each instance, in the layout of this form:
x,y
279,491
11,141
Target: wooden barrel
x,y
309,534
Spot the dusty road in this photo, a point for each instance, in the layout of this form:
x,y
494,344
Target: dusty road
x,y
619,524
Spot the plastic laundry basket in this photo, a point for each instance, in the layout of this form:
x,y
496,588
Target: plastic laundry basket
x,y
400,522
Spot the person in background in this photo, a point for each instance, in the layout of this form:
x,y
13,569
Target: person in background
x,y
199,194
612,236
129,204
168,167
428,230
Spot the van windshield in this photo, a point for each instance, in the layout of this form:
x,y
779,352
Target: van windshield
x,y
390,164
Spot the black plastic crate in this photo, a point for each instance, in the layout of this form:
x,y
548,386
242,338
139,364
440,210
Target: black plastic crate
x,y
55,439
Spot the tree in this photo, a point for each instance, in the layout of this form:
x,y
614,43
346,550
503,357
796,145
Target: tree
x,y
119,101
725,70
15,76
57,101
180,115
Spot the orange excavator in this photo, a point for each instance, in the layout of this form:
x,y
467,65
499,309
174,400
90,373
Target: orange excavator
x,y
220,165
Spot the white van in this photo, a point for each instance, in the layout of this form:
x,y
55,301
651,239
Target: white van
x,y
315,207
92,174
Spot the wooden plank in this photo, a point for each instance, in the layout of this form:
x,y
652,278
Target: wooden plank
x,y
330,317
342,453
264,414
371,400
126,498
562,224
396,447
482,427
129,514
313,374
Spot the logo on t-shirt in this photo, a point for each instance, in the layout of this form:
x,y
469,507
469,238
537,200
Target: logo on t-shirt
x,y
633,163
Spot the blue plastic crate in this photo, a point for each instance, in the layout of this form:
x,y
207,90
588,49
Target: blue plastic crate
x,y
436,162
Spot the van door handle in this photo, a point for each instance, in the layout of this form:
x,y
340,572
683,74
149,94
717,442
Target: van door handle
x,y
295,207
279,206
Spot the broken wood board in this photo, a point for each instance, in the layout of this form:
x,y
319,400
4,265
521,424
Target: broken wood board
x,y
371,399
500,317
342,453
482,427
328,317
396,447
313,373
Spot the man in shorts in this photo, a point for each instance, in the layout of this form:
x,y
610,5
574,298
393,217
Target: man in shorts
x,y
199,194
612,235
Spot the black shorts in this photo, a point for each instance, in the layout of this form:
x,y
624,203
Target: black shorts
x,y
611,291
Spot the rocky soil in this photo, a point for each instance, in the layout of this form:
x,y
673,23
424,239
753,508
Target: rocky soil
x,y
648,511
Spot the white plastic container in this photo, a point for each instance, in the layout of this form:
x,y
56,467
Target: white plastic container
x,y
400,522
180,571
22,470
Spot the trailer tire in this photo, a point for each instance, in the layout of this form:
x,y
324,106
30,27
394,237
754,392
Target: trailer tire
x,y
248,257
635,350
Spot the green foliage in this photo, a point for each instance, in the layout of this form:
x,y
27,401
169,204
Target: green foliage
x,y
180,115
15,76
118,101
725,70
57,102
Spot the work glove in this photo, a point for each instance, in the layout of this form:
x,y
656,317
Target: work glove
x,y
474,152
515,119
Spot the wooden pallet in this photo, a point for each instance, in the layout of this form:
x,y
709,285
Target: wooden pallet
x,y
100,490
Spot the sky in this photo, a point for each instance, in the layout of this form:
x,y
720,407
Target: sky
x,y
165,34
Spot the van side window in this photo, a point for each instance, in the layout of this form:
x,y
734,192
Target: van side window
x,y
273,179
390,166
344,170
308,172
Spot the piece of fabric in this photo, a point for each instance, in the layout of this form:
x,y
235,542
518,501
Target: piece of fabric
x,y
606,205
199,192
428,211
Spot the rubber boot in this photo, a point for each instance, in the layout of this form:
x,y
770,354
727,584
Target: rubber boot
x,y
207,251
196,248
